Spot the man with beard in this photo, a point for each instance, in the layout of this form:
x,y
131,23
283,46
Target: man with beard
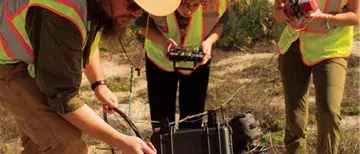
x,y
44,46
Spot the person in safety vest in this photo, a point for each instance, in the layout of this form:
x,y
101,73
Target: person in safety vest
x,y
195,23
44,47
317,43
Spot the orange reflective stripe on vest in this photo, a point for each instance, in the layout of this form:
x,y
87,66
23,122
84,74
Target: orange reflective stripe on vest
x,y
330,6
316,42
200,25
12,42
209,18
13,37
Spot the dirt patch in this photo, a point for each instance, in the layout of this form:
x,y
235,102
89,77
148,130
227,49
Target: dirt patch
x,y
229,71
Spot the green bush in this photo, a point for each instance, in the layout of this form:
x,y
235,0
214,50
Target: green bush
x,y
131,39
250,21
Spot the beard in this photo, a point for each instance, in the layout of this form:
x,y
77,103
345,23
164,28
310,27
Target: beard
x,y
116,27
112,31
113,28
115,31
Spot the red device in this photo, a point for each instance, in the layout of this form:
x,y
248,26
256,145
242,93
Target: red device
x,y
309,5
299,8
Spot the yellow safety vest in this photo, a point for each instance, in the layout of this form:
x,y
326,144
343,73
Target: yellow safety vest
x,y
15,45
316,42
201,23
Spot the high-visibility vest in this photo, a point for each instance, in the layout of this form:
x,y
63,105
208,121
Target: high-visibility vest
x,y
317,43
200,25
15,45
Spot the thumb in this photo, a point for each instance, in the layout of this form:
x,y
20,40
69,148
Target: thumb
x,y
114,100
205,50
172,42
110,101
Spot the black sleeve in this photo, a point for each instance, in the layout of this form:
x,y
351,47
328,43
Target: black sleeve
x,y
57,45
225,17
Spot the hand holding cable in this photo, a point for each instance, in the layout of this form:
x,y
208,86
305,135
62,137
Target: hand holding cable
x,y
109,100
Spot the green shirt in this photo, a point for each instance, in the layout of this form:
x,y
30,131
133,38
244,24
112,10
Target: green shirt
x,y
57,46
59,54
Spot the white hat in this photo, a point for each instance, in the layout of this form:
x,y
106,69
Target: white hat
x,y
159,7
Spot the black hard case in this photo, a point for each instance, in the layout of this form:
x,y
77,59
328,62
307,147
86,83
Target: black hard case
x,y
207,140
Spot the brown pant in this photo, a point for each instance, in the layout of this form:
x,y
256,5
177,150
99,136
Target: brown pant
x,y
329,79
43,130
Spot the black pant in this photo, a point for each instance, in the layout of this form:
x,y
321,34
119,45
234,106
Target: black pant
x,y
162,88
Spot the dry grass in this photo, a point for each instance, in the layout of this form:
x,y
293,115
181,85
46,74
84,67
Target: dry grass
x,y
8,131
229,71
357,33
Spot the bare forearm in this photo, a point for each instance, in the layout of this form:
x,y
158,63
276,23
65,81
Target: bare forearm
x,y
344,19
90,123
349,18
94,71
215,34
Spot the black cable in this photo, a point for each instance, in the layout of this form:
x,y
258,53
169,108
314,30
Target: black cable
x,y
116,109
131,124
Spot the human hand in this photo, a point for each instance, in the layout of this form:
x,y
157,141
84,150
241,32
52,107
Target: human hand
x,y
134,145
206,49
167,46
288,12
109,100
316,18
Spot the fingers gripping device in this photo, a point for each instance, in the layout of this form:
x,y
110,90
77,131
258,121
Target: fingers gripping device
x,y
299,8
185,54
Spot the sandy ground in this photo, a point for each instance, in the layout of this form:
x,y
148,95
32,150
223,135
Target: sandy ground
x,y
140,110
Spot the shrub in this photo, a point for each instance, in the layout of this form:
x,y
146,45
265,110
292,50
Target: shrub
x,y
250,21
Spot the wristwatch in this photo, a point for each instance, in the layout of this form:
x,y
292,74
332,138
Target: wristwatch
x,y
97,83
